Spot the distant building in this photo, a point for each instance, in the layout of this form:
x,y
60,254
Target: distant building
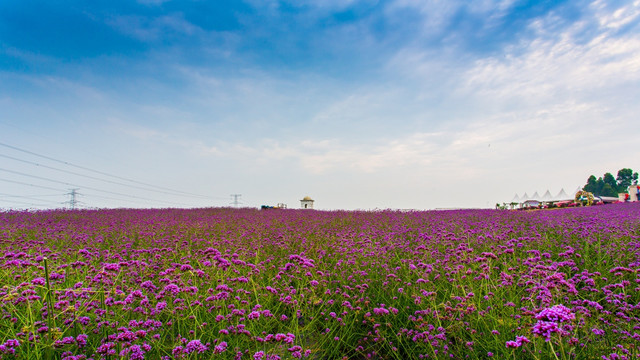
x,y
632,194
306,203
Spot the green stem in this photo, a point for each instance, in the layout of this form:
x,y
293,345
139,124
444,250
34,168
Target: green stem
x,y
51,321
553,351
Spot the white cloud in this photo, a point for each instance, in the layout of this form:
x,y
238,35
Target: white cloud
x,y
538,103
560,67
617,18
329,155
437,15
136,131
541,132
151,29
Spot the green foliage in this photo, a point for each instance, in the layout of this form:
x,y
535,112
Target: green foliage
x,y
591,186
610,180
607,185
625,178
608,190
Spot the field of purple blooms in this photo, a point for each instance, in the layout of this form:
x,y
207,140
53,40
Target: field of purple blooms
x,y
283,284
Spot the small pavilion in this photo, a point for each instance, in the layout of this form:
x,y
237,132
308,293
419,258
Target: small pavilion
x,y
306,203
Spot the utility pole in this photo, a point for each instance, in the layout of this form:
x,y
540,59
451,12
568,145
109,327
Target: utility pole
x,y
73,201
235,197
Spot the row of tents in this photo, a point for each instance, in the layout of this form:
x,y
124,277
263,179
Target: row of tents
x,y
547,199
561,196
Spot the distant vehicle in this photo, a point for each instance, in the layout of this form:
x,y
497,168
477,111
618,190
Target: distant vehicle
x,y
278,206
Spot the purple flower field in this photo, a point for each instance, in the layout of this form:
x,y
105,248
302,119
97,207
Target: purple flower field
x,y
250,284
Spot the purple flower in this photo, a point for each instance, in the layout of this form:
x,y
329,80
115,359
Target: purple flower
x,y
380,311
253,315
172,288
556,313
65,341
148,285
520,340
546,329
177,350
9,346
222,347
512,344
195,346
12,343
81,340
111,267
136,353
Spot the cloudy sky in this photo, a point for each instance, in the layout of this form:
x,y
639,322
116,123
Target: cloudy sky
x,y
360,104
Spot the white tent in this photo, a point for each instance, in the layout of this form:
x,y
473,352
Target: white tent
x,y
516,199
524,197
535,196
576,191
547,196
562,195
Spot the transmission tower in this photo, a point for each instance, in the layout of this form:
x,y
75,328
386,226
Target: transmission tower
x,y
73,198
235,201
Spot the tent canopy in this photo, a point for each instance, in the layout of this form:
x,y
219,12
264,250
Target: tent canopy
x,y
562,195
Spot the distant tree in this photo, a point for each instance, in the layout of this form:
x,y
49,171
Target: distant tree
x,y
625,178
591,185
610,180
610,186
599,186
608,190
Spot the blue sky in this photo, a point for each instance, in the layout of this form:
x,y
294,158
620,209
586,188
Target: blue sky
x,y
358,104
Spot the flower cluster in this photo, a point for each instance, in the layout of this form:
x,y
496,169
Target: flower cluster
x,y
551,320
520,340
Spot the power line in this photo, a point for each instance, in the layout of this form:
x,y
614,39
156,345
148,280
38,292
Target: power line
x,y
93,177
32,185
100,172
8,197
87,187
31,204
2,195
